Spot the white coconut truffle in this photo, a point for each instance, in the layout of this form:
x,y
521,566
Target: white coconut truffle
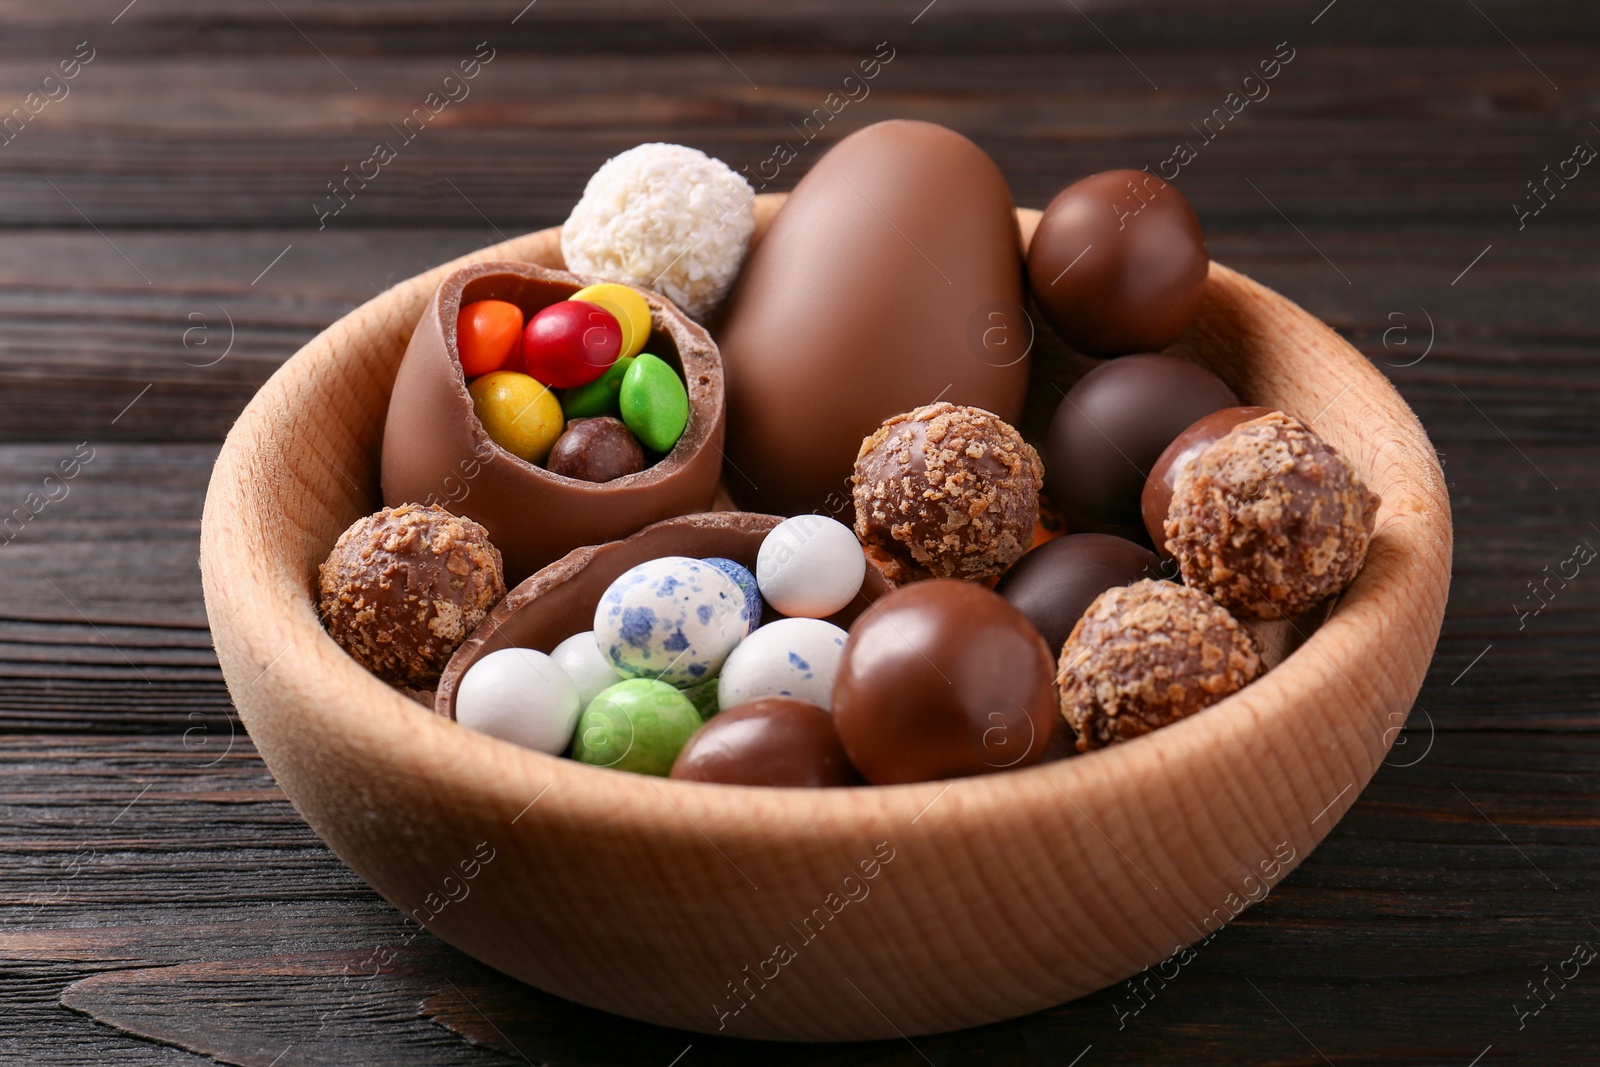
x,y
663,217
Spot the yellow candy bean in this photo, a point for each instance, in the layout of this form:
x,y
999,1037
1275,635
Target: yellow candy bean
x,y
629,309
518,412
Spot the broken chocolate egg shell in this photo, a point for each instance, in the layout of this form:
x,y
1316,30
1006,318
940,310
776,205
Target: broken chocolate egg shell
x,y
559,600
436,451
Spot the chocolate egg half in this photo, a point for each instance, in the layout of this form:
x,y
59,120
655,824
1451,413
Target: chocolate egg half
x,y
435,450
560,599
891,278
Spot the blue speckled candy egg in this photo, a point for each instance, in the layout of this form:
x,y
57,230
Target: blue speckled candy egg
x,y
746,581
674,619
789,658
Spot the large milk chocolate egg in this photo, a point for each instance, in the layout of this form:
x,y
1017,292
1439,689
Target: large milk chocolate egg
x,y
890,279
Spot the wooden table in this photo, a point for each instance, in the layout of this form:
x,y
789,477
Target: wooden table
x,y
160,902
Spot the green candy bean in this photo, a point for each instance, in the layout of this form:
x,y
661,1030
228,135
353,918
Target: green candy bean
x,y
638,725
654,403
599,397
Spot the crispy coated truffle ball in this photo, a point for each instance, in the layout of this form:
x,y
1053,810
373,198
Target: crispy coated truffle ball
x,y
1146,655
403,588
1270,520
946,492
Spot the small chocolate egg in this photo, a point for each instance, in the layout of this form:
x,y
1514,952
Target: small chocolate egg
x,y
772,741
810,566
599,449
1118,263
1054,584
1156,497
639,725
674,619
579,655
942,679
745,581
862,301
1109,430
796,658
521,696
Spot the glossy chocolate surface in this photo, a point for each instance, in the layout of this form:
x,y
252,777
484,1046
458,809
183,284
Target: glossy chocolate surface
x,y
1156,497
1054,584
599,449
1112,426
772,741
943,679
892,278
1119,263
436,451
559,600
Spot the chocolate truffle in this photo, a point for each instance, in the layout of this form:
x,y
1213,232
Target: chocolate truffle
x,y
403,588
596,450
1270,519
942,679
771,741
1109,430
1149,654
1055,583
1175,459
1118,263
946,492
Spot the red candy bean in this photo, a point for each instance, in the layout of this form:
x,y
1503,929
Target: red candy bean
x,y
571,343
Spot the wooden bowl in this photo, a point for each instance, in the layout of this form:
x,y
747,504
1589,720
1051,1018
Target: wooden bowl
x,y
751,911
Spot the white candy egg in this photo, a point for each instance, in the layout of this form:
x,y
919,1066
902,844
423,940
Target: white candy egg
x,y
810,566
521,696
674,619
789,658
580,656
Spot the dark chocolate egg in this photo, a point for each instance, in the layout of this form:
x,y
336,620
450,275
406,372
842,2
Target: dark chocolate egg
x,y
943,679
1054,584
1119,263
1156,497
891,278
771,741
1109,430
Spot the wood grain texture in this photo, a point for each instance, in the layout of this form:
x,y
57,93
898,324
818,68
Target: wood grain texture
x,y
1394,144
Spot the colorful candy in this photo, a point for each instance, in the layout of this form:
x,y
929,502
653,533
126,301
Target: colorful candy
x,y
639,725
519,414
745,581
570,343
795,658
488,333
596,450
811,566
654,403
599,397
521,696
674,619
591,672
629,309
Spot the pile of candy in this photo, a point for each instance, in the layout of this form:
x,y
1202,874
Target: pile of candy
x,y
591,347
676,640
1005,641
